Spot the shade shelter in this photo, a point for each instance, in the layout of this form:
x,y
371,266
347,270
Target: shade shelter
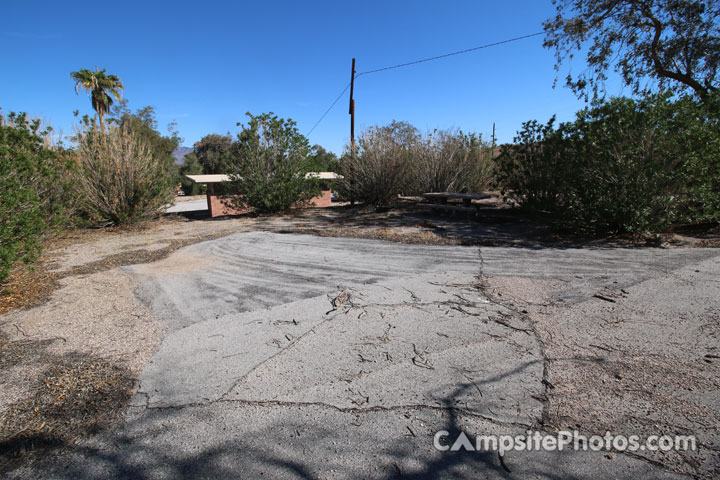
x,y
219,205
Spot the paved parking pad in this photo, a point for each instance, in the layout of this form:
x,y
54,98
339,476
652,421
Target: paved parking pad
x,y
293,356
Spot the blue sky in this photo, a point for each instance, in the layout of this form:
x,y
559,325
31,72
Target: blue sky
x,y
204,64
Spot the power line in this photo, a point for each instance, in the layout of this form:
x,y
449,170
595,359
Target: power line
x,y
451,54
494,44
328,110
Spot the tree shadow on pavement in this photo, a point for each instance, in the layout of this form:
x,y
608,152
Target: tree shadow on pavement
x,y
303,441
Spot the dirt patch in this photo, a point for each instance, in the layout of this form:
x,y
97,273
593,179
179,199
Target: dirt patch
x,y
67,367
630,394
134,257
31,286
189,198
631,361
183,262
26,288
77,395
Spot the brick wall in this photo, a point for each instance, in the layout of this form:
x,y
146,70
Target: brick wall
x,y
218,206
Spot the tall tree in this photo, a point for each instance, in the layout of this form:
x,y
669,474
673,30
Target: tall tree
x,y
214,152
320,160
674,43
102,88
190,166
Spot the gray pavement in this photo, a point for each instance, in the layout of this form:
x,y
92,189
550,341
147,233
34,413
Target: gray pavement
x,y
293,356
188,206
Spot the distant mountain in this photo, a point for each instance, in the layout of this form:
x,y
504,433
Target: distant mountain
x,y
180,153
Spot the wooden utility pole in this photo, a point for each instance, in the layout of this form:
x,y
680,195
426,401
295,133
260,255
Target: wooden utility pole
x,y
352,110
352,121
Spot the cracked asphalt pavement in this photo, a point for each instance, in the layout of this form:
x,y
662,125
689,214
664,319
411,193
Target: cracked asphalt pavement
x,y
292,356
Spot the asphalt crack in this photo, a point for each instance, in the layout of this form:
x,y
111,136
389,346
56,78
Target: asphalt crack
x,y
349,410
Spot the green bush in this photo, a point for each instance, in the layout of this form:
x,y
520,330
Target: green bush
x,y
622,166
121,178
268,166
531,171
320,160
32,188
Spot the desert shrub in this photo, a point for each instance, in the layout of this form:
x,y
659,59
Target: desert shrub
x,y
531,171
33,188
380,169
450,161
622,166
268,166
695,132
144,125
121,179
397,159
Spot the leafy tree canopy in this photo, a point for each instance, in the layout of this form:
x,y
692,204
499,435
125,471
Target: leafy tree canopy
x,y
213,152
190,166
673,44
321,160
624,165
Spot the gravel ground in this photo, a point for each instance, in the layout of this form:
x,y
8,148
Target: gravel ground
x,y
94,314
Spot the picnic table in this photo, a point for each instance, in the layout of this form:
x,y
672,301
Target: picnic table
x,y
443,197
439,201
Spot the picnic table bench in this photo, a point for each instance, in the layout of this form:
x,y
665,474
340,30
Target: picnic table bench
x,y
438,201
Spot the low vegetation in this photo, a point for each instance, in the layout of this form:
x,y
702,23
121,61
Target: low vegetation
x,y
451,161
397,159
268,165
378,172
33,181
120,178
623,165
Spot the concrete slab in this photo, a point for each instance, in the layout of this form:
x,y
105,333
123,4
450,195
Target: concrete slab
x,y
189,206
259,270
403,342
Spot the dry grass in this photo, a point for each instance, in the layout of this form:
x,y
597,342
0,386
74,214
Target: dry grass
x,y
26,287
77,395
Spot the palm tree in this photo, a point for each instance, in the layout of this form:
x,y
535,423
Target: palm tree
x,y
101,87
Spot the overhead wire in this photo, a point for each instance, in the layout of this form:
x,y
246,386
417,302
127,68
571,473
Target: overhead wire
x,y
415,62
328,110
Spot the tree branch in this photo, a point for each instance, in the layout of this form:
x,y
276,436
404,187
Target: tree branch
x,y
661,70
